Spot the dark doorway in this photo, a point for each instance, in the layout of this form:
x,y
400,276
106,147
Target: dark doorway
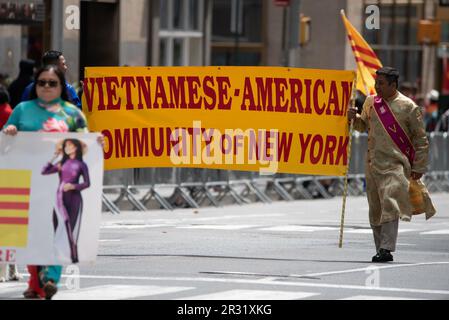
x,y
99,35
35,45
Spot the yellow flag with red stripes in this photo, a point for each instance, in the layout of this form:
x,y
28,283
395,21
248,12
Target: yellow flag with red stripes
x,y
15,187
366,59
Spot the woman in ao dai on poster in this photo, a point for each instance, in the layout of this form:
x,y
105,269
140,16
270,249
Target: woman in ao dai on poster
x,y
69,202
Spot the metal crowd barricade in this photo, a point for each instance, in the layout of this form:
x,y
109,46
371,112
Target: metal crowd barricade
x,y
270,188
114,189
159,193
171,188
240,183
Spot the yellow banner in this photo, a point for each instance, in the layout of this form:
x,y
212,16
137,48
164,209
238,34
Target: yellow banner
x,y
267,119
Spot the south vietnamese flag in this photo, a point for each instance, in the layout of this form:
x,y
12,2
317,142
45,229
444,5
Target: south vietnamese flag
x,y
14,207
366,59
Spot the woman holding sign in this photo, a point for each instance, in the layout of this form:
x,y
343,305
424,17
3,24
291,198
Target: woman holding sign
x,y
48,111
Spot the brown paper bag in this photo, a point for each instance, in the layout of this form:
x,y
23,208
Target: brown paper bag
x,y
420,199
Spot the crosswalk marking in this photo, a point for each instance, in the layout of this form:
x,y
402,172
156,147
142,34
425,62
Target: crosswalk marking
x,y
14,290
252,295
218,227
378,298
106,292
443,231
116,292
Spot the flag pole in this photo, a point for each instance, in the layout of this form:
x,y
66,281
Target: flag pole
x,y
345,190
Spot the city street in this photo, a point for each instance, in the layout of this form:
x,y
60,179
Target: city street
x,y
286,250
138,107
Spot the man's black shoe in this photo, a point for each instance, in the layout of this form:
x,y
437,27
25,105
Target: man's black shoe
x,y
383,256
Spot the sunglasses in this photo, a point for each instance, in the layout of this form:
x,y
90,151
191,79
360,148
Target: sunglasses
x,y
51,83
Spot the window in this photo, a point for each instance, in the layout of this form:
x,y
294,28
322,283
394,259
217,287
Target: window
x,y
396,42
181,33
237,32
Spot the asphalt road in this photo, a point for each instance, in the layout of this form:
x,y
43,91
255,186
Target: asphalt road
x,y
285,250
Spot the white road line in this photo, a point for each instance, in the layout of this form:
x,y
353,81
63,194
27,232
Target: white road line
x,y
378,298
116,292
218,227
371,267
359,231
133,226
443,231
369,231
131,292
270,281
329,273
109,240
123,222
290,228
252,295
237,273
240,216
406,230
174,221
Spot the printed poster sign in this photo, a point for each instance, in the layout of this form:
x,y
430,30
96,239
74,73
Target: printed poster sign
x,y
50,198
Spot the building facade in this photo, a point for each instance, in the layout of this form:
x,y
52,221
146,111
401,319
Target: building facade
x,y
221,32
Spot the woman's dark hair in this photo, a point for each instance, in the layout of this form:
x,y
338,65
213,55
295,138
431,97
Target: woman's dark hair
x,y
61,77
4,96
79,150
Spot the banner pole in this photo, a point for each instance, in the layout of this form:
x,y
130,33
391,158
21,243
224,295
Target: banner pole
x,y
345,190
